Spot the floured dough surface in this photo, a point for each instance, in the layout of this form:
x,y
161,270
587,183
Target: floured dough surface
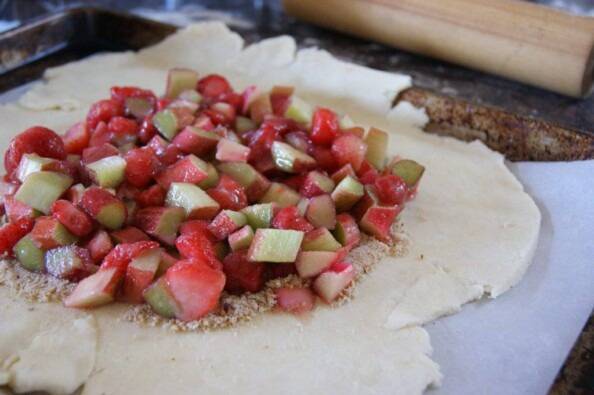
x,y
472,231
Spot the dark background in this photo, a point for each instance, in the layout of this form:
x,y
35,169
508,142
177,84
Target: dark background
x,y
257,19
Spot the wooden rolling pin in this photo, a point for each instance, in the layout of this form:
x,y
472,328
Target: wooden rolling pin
x,y
522,41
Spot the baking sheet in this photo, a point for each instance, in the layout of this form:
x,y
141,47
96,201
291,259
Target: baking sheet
x,y
517,344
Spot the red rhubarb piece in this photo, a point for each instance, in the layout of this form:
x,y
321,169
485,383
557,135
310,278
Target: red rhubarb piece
x,y
295,300
199,247
99,246
152,196
289,218
130,234
74,219
190,169
93,154
349,149
12,232
324,126
242,274
122,254
17,210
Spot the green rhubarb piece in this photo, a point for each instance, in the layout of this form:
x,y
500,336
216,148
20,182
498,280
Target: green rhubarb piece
x,y
347,193
320,240
409,170
212,177
259,215
346,122
41,189
321,212
138,107
280,194
62,236
243,124
241,239
195,202
159,297
31,163
108,172
377,145
241,172
179,80
320,180
238,218
302,206
289,159
166,123
112,215
190,95
299,110
29,255
148,261
275,245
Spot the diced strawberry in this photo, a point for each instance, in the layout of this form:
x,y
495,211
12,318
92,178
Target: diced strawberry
x,y
127,191
147,130
242,274
246,98
44,231
324,126
203,122
103,111
100,135
213,85
349,228
152,196
222,226
226,110
295,300
198,246
196,287
391,189
160,222
325,159
17,210
233,99
349,149
130,234
121,93
123,129
122,254
279,98
184,170
141,166
229,194
76,138
197,225
367,173
99,246
93,154
38,140
261,140
171,155
275,270
296,182
12,232
74,219
289,218
189,142
66,167
265,165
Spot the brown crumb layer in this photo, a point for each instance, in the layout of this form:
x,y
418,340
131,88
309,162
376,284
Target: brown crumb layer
x,y
233,309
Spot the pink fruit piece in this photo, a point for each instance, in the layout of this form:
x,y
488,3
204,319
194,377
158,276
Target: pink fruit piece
x,y
321,212
347,231
70,262
129,234
96,290
225,223
160,222
141,166
193,140
316,183
378,220
231,151
198,246
104,207
139,275
295,300
311,263
99,246
242,275
349,149
93,154
121,256
332,282
74,219
16,210
190,169
229,194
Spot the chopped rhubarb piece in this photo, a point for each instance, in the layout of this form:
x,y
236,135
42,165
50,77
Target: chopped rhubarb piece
x,y
229,194
299,140
167,260
331,283
108,172
391,190
295,300
289,218
167,123
12,232
190,95
76,138
38,140
275,245
213,85
260,108
320,240
241,239
321,212
280,194
199,247
299,110
196,287
96,290
347,231
69,262
140,274
190,169
74,219
139,107
367,173
93,154
197,225
123,130
100,135
259,215
242,275
159,297
50,233
225,223
104,207
302,206
230,151
316,183
289,159
347,193
193,140
122,254
103,111
141,166
129,234
6,189
212,177
41,189
409,170
324,126
160,222
377,145
349,149
280,97
243,124
99,246
194,201
311,263
31,163
152,196
179,80
221,113
377,221
16,210
255,184
368,200
29,254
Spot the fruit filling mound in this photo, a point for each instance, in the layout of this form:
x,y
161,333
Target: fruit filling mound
x,y
177,200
